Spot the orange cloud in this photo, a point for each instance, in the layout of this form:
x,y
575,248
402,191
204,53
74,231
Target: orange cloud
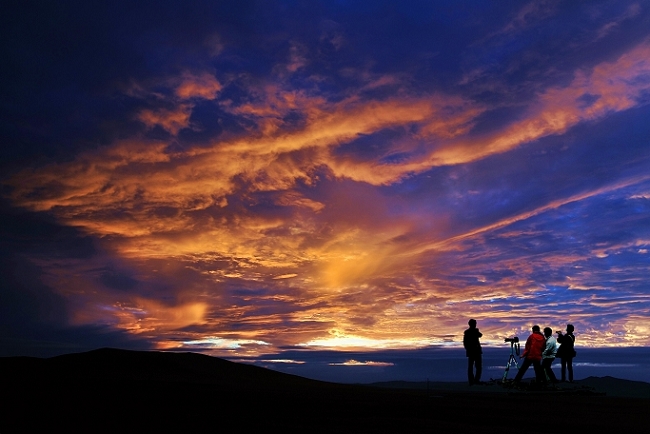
x,y
170,120
152,317
187,87
204,86
339,263
613,86
275,159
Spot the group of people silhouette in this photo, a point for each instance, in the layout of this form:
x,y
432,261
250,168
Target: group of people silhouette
x,y
540,351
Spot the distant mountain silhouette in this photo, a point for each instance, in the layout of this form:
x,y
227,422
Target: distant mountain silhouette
x,y
128,391
114,365
618,387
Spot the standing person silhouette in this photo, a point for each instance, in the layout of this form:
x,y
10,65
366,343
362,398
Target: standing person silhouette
x,y
473,352
567,352
533,355
548,355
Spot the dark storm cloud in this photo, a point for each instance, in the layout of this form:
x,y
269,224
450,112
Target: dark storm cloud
x,y
34,317
65,62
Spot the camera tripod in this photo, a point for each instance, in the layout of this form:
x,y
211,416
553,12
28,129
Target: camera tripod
x,y
512,360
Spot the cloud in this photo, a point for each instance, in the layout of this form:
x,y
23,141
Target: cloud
x,y
297,59
211,343
353,362
529,14
341,341
285,276
175,109
631,11
171,120
607,88
324,197
203,86
274,160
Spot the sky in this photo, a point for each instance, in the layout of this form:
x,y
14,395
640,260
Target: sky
x,y
317,181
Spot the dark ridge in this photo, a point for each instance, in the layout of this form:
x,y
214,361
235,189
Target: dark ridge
x,y
114,365
110,390
618,387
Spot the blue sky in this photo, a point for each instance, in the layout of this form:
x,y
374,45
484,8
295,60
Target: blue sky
x,y
252,178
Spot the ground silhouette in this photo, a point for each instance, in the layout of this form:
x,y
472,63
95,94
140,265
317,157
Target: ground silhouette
x,y
132,391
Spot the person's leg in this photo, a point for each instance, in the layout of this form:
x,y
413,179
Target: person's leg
x,y
569,366
545,368
548,370
539,373
479,368
563,362
522,370
470,370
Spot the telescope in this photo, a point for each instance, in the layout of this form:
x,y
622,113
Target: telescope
x,y
512,360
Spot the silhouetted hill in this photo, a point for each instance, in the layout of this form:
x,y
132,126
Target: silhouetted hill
x,y
618,387
111,390
114,365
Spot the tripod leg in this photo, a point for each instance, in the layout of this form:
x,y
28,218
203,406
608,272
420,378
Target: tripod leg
x,y
505,374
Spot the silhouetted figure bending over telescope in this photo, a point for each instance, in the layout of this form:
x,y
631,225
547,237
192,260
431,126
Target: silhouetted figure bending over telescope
x,y
533,355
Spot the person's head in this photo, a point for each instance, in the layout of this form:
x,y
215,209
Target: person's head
x,y
535,328
569,328
472,323
548,331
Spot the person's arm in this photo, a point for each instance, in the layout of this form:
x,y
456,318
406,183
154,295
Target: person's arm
x,y
526,348
547,348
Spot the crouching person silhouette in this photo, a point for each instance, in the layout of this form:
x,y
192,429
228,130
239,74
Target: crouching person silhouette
x,y
473,352
532,355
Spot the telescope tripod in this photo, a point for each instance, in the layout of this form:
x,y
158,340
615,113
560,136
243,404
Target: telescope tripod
x,y
512,360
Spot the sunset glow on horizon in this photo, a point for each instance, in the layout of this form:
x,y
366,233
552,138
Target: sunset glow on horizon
x,y
253,177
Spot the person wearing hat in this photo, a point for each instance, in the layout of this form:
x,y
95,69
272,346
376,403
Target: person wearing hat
x,y
473,352
566,352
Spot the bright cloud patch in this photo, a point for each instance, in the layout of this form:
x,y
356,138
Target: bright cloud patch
x,y
353,362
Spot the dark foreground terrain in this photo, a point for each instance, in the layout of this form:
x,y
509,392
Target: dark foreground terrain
x,y
127,391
